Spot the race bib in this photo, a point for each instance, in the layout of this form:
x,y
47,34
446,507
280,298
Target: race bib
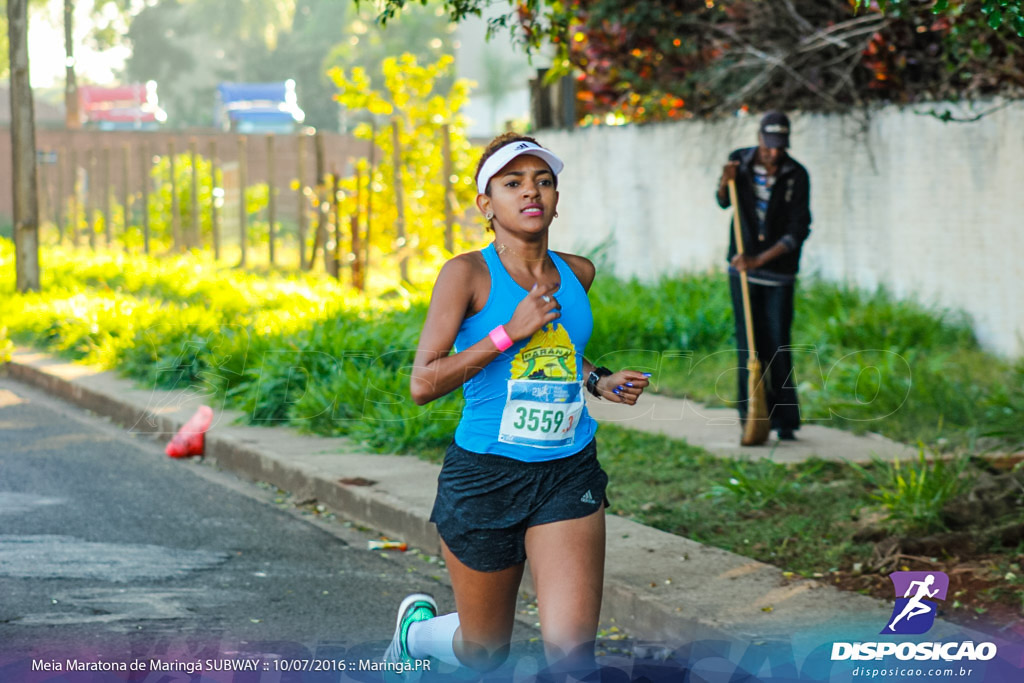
x,y
539,413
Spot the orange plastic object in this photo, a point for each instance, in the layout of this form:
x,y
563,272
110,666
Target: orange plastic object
x,y
191,438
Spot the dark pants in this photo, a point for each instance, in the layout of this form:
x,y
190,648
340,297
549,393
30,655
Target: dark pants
x,y
772,310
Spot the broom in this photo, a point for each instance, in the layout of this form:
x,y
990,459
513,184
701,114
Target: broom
x,y
757,427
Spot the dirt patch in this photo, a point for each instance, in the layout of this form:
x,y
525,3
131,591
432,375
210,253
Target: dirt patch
x,y
982,552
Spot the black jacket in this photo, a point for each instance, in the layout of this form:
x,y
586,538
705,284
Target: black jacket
x,y
788,217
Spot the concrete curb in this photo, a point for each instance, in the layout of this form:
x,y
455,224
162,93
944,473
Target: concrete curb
x,y
658,586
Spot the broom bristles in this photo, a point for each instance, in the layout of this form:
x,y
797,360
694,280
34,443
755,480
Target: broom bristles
x,y
758,426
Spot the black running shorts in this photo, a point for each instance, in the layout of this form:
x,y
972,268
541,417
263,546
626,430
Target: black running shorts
x,y
485,503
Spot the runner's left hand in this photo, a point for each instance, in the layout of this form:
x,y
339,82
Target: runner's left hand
x,y
624,386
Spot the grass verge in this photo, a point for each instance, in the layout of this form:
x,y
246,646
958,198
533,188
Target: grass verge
x,y
285,346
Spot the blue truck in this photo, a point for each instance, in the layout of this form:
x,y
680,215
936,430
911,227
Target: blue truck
x,y
258,107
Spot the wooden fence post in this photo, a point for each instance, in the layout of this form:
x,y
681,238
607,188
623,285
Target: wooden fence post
x,y
90,197
74,225
271,197
214,214
108,227
145,169
179,242
59,204
303,216
126,196
41,209
243,214
195,239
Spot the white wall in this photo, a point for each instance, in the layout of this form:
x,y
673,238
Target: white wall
x,y
931,210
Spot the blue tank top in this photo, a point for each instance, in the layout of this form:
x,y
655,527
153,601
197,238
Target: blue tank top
x,y
527,404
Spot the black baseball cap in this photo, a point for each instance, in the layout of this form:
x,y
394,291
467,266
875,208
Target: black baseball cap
x,y
775,129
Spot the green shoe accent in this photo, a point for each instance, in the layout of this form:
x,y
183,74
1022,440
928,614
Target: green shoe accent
x,y
415,607
420,611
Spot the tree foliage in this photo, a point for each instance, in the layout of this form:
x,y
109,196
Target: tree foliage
x,y
413,96
424,33
189,46
653,60
996,13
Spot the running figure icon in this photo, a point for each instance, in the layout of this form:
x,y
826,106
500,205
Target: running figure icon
x,y
916,596
915,607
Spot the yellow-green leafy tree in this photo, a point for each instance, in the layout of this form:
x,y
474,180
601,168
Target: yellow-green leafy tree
x,y
411,99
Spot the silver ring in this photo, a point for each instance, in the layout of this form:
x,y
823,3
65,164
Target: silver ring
x,y
546,299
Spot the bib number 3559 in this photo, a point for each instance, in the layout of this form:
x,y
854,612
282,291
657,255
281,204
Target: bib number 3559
x,y
541,413
538,420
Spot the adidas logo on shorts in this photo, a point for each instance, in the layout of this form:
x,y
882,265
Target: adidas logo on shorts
x,y
588,498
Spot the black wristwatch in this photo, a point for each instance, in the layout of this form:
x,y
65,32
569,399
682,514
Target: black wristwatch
x,y
595,375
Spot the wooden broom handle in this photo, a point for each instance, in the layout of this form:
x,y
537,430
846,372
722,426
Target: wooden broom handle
x,y
738,233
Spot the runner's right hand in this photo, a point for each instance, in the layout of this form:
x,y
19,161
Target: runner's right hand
x,y
534,312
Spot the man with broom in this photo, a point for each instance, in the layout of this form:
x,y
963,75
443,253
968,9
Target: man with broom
x,y
772,193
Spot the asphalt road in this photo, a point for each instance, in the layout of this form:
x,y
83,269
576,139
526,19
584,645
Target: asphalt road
x,y
108,548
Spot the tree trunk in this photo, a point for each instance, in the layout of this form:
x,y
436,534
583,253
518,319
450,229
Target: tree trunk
x,y
396,162
369,200
335,260
23,152
357,252
72,118
320,235
449,193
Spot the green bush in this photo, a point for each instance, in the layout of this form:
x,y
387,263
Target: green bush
x,y
914,493
1004,411
6,347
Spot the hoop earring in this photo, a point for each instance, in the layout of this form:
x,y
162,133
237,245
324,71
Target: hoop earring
x,y
489,215
556,214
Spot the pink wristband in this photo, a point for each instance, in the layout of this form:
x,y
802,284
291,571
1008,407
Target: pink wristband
x,y
500,338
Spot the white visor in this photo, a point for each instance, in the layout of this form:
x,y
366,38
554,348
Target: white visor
x,y
500,159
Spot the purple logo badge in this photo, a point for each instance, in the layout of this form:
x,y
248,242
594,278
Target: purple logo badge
x,y
914,611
